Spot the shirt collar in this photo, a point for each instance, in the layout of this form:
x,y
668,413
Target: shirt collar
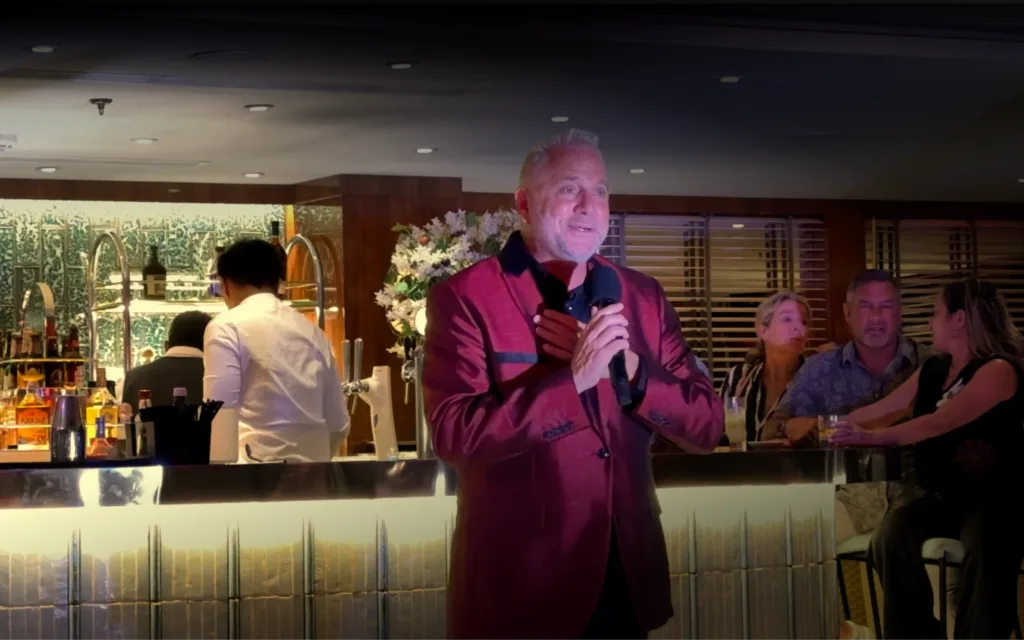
x,y
183,352
259,299
516,258
905,349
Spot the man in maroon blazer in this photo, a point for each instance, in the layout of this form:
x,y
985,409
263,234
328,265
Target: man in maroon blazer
x,y
558,532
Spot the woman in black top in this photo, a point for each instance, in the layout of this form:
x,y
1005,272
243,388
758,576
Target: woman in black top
x,y
967,434
761,379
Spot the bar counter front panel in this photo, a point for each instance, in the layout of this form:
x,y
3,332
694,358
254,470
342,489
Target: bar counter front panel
x,y
359,548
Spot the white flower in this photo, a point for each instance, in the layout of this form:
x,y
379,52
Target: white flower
x,y
417,266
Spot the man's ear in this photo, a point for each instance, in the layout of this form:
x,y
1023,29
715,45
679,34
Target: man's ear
x,y
523,204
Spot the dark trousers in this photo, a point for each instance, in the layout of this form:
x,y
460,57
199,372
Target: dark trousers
x,y
993,539
614,616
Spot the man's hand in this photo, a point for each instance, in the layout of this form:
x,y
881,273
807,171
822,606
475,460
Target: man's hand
x,y
560,332
603,337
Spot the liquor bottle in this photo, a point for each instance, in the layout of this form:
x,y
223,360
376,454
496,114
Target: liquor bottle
x,y
11,370
53,369
74,372
101,403
275,239
31,368
102,446
32,415
216,289
154,277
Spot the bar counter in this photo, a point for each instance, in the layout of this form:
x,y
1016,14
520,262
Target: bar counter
x,y
359,548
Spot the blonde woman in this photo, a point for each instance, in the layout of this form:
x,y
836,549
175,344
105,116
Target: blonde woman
x,y
781,325
967,434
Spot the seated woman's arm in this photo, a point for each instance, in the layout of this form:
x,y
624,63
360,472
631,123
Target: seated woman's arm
x,y
889,409
994,382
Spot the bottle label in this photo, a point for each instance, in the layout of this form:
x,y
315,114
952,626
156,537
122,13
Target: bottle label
x,y
32,416
156,286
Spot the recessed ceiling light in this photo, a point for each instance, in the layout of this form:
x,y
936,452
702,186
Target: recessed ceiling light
x,y
258,107
43,48
738,225
425,150
253,176
560,119
400,66
729,79
143,140
1021,180
637,170
46,169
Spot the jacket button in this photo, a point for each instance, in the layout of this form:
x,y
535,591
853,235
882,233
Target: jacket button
x,y
602,453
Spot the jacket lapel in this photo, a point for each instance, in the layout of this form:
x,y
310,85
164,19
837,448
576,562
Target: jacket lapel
x,y
520,281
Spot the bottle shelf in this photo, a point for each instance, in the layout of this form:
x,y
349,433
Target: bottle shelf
x,y
43,361
211,306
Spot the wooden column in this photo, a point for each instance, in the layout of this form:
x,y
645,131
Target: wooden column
x,y
846,257
371,206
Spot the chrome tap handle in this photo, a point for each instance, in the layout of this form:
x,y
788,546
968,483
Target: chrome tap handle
x,y
346,363
357,373
357,360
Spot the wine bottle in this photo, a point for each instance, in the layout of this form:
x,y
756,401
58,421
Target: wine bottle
x,y
275,239
216,288
154,277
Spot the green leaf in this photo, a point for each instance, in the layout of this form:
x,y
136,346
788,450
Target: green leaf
x,y
471,220
401,286
400,228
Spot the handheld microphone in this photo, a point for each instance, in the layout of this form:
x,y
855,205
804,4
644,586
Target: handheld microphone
x,y
606,290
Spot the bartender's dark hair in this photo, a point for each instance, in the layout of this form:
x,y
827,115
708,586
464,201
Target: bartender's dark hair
x,y
253,262
187,330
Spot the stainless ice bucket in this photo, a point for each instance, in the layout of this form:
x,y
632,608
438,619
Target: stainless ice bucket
x,y
67,429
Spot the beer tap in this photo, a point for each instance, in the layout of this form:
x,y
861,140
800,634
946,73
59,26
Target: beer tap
x,y
409,366
354,384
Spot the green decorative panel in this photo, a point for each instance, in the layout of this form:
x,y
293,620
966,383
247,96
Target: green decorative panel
x,y
49,240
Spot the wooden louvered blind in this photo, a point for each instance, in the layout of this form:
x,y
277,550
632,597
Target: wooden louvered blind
x,y
926,255
717,270
1001,261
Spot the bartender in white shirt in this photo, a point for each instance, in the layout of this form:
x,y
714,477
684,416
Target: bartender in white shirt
x,y
272,368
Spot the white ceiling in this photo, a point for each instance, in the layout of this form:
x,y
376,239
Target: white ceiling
x,y
845,105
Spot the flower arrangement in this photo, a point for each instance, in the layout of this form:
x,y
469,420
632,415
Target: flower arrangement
x,y
426,255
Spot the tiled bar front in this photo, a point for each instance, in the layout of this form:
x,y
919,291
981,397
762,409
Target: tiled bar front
x,y
359,549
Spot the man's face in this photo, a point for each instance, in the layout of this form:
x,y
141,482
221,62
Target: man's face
x,y
873,314
564,205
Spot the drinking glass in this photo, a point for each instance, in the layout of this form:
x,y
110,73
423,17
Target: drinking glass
x,y
827,427
736,423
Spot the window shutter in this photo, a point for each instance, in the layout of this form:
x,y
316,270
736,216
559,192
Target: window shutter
x,y
752,258
614,247
671,250
925,255
1001,262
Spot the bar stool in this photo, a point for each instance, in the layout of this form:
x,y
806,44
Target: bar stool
x,y
946,553
855,549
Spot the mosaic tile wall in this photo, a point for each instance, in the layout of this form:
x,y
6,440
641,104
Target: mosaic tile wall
x,y
48,241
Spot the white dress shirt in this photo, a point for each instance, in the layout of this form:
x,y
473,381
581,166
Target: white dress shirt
x,y
277,377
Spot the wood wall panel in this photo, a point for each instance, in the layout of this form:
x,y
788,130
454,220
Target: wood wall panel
x,y
371,206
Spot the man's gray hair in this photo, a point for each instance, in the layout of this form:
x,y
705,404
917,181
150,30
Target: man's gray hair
x,y
868,276
538,156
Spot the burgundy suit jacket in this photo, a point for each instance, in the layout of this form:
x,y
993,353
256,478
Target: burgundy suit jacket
x,y
541,480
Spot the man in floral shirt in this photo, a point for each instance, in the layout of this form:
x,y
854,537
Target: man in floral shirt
x,y
855,374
